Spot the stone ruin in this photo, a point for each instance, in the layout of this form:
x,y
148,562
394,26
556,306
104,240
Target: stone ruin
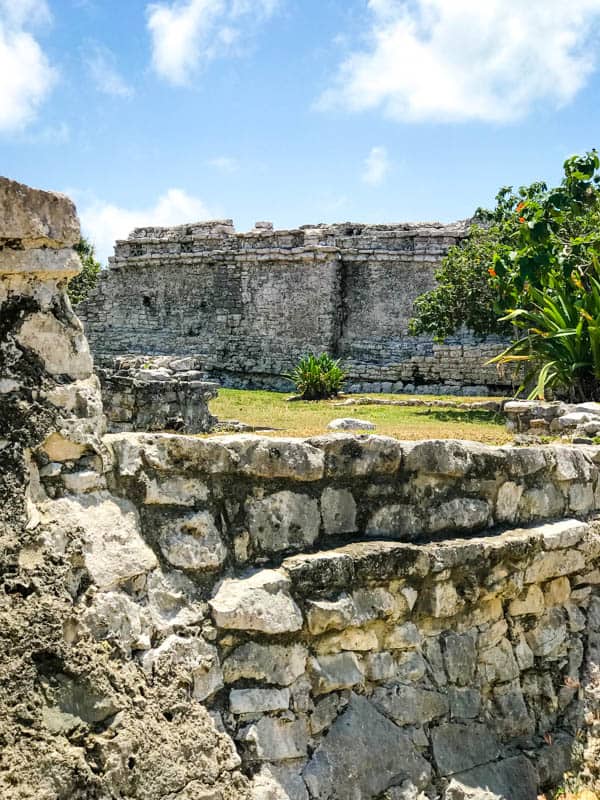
x,y
249,305
342,617
156,394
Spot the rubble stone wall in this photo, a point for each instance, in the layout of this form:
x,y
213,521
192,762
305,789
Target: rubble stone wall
x,y
250,305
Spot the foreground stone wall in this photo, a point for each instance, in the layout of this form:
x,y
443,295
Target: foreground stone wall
x,y
370,669
78,720
250,305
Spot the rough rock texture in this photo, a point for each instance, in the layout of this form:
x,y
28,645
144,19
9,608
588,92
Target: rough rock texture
x,y
78,718
250,305
144,394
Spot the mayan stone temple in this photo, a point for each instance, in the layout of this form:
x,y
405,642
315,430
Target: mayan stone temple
x,y
249,305
344,617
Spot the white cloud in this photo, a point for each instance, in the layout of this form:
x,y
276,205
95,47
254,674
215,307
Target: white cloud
x,y
224,164
455,60
186,34
104,223
101,64
26,75
377,166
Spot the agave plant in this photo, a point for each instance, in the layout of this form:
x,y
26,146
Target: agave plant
x,y
561,344
317,377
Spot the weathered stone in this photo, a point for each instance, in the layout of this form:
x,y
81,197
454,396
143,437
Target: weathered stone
x,y
396,521
328,615
554,564
403,637
193,542
362,735
563,534
252,701
408,705
510,715
462,513
35,218
260,602
193,657
549,633
530,602
371,604
114,616
464,703
459,747
176,490
340,671
460,657
278,782
410,667
62,350
283,521
338,509
276,739
557,592
507,502
273,664
509,779
114,550
350,424
498,664
541,503
442,600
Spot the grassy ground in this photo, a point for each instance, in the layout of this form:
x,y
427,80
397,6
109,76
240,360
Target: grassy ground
x,y
270,409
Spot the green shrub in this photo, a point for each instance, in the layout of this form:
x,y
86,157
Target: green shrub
x,y
317,377
81,285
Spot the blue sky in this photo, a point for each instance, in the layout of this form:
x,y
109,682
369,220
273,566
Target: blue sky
x,y
295,111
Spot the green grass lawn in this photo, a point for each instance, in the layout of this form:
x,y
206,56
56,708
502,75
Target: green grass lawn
x,y
270,410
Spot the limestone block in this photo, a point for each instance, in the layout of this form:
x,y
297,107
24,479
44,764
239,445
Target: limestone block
x,y
36,218
272,458
173,600
396,521
338,509
440,457
324,713
332,672
442,600
253,701
193,542
460,657
351,424
510,715
372,603
531,601
408,705
278,782
557,592
55,264
498,664
563,534
276,739
507,502
410,667
115,617
403,637
541,503
462,513
114,550
348,455
273,664
328,615
260,602
549,634
459,747
380,666
359,736
349,639
63,350
523,654
194,657
581,498
82,482
554,564
513,778
176,490
465,703
283,521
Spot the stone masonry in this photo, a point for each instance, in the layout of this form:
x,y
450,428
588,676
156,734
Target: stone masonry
x,y
249,305
234,618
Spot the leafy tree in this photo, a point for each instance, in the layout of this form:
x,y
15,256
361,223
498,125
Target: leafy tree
x,y
81,285
531,265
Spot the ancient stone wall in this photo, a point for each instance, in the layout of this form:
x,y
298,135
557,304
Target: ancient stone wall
x,y
245,617
249,305
160,394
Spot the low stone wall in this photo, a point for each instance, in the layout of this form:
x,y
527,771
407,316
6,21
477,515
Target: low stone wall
x,y
142,394
357,667
580,422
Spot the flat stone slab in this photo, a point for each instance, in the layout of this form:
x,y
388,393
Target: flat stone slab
x,y
351,424
509,779
457,748
362,736
36,218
